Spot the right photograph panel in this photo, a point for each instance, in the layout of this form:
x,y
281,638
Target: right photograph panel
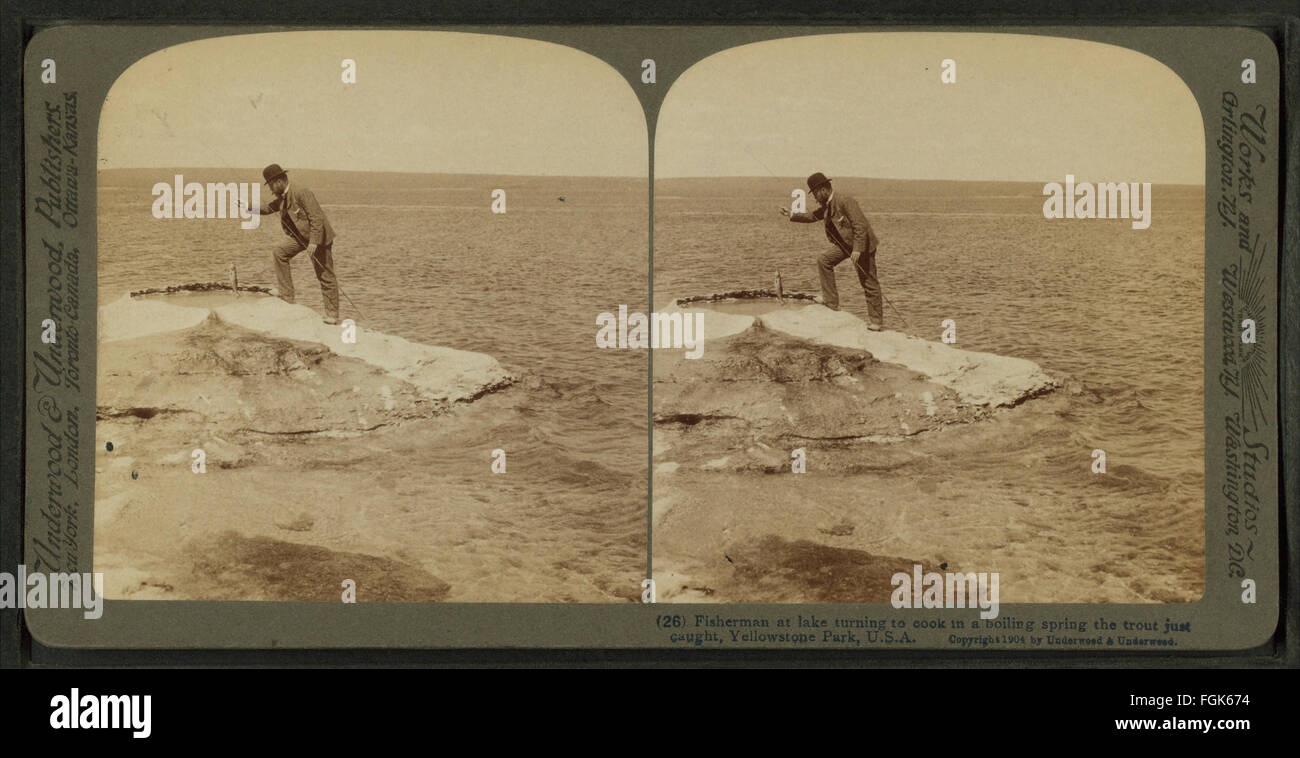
x,y
951,292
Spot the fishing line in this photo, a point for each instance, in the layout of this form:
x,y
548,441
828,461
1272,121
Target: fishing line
x,y
882,294
340,288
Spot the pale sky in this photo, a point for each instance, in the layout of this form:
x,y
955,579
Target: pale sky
x,y
437,102
1023,108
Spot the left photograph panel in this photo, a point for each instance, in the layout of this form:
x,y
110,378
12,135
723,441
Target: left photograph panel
x,y
347,283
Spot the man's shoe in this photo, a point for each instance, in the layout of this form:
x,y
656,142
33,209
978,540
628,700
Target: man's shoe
x,y
332,320
875,327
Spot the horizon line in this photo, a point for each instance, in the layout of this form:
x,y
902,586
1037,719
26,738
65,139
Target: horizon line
x,y
620,176
257,171
907,179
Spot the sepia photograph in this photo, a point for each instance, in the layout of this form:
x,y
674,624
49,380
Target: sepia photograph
x,y
951,291
346,282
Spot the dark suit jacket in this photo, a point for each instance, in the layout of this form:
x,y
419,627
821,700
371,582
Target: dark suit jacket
x,y
844,218
301,216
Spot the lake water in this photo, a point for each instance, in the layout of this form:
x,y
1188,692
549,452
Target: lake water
x,y
1113,313
422,257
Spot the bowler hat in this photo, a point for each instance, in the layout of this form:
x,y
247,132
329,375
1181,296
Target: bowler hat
x,y
272,171
814,181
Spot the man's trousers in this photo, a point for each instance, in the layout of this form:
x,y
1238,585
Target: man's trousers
x,y
866,271
323,261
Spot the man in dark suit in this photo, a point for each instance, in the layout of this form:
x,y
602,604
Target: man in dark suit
x,y
852,237
305,224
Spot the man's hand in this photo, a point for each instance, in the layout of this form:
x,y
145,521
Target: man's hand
x,y
855,256
311,250
785,211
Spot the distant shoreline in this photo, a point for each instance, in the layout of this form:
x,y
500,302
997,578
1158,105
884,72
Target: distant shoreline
x,y
143,173
1032,187
202,173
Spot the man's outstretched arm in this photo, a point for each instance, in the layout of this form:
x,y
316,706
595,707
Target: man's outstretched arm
x,y
808,218
268,208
